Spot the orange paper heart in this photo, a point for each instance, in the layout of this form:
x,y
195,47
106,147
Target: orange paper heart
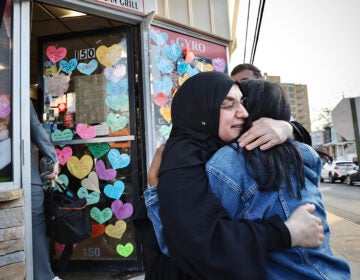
x,y
166,113
97,230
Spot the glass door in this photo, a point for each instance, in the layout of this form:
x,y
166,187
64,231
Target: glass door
x,y
89,110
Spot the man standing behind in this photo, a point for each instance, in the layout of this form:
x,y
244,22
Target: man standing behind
x,y
246,71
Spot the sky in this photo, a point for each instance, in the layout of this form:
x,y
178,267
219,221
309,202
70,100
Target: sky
x,y
312,42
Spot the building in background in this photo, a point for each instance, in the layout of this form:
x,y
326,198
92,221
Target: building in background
x,y
299,101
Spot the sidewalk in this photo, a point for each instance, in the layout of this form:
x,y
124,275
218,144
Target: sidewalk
x,y
345,242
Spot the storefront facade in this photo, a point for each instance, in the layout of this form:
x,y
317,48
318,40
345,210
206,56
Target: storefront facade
x,y
102,81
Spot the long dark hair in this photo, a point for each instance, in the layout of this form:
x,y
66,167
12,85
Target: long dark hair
x,y
280,163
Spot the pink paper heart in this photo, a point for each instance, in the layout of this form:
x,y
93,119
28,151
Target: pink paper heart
x,y
103,173
85,132
60,247
122,210
55,54
160,99
64,155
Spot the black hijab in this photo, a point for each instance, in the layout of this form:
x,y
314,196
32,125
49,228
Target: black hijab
x,y
195,112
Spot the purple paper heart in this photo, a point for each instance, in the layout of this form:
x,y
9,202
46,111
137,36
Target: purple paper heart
x,y
103,173
121,210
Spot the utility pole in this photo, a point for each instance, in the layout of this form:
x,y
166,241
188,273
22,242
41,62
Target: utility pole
x,y
356,128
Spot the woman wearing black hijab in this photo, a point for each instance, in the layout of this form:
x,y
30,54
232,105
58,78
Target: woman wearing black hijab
x,y
203,242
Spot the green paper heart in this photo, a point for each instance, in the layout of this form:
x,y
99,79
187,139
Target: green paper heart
x,y
125,250
91,198
165,130
101,216
116,123
59,135
98,149
64,179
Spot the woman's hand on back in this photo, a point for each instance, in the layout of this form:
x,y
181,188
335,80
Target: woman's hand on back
x,y
266,133
153,172
306,230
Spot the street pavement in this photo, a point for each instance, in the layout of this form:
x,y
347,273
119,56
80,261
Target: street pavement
x,y
345,243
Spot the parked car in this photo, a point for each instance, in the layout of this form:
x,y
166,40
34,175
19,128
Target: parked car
x,y
336,170
353,176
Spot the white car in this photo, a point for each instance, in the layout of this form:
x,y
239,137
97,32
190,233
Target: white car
x,y
336,170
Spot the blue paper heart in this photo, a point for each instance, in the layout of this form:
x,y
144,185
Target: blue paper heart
x,y
159,38
68,67
120,87
118,160
118,102
173,51
114,191
182,68
165,85
192,71
165,66
88,68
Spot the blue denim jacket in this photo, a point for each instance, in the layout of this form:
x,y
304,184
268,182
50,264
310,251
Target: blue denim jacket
x,y
240,196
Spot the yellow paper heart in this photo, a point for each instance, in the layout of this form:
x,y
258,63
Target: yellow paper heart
x,y
50,71
80,168
204,67
182,79
91,182
166,113
109,56
117,230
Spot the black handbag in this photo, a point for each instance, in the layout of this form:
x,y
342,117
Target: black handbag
x,y
67,221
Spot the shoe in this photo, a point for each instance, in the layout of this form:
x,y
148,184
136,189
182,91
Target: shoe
x,y
56,278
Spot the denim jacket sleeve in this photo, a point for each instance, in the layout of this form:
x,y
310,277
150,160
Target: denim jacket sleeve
x,y
152,206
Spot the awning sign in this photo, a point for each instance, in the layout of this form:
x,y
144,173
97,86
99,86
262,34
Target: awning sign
x,y
134,5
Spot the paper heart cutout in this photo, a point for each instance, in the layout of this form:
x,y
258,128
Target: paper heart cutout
x,y
63,135
115,191
219,64
60,247
97,230
165,130
125,250
85,132
68,67
101,216
120,87
51,71
166,113
58,84
116,123
160,99
98,149
204,67
158,37
189,57
55,54
88,68
4,110
122,210
103,173
165,66
109,56
165,85
91,198
115,73
173,51
118,102
117,230
48,63
91,182
183,78
63,178
182,67
80,168
118,160
64,154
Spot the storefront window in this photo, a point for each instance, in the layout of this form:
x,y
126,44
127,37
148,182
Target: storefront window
x,y
6,166
174,58
89,114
